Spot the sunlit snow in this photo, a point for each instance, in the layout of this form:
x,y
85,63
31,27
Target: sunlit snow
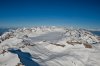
x,y
51,46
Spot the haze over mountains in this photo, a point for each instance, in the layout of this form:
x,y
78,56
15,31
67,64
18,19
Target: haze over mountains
x,y
49,32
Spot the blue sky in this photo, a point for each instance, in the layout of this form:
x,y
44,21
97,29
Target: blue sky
x,y
76,13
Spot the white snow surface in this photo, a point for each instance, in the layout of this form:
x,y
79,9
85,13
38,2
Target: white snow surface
x,y
51,46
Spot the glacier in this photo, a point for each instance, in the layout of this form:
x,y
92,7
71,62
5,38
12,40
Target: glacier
x,y
51,46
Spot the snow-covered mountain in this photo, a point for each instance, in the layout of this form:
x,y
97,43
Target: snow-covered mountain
x,y
51,46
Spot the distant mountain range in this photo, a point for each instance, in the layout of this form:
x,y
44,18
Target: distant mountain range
x,y
3,30
49,46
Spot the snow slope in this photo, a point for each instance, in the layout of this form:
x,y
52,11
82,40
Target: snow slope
x,y
51,46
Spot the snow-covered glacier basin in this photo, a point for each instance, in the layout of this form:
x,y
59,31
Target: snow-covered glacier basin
x,y
51,46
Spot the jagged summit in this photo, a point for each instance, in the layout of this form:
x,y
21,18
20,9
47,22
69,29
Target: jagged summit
x,y
71,34
51,46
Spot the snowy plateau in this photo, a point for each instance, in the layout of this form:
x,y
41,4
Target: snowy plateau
x,y
49,46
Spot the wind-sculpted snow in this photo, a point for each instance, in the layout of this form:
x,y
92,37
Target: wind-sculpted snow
x,y
51,46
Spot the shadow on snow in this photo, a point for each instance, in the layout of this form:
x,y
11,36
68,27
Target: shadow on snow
x,y
25,58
